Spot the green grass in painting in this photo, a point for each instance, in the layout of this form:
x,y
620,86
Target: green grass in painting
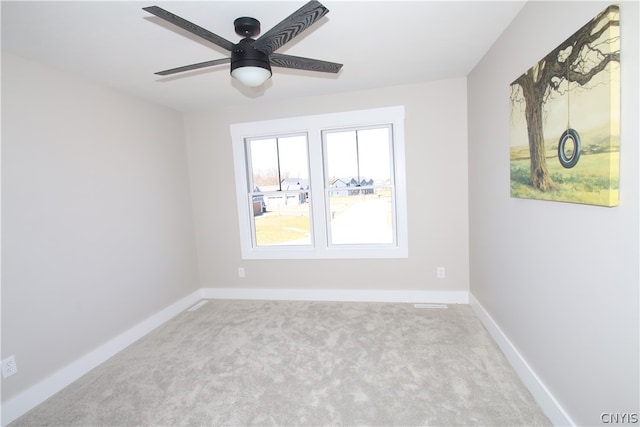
x,y
594,180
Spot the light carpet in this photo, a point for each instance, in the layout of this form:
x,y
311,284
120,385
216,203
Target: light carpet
x,y
247,363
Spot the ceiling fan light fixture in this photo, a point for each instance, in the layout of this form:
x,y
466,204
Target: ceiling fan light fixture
x,y
251,76
249,65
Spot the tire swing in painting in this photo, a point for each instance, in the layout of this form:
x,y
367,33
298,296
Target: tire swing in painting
x,y
569,145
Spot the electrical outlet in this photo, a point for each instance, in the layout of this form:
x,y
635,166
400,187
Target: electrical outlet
x,y
241,272
441,272
9,367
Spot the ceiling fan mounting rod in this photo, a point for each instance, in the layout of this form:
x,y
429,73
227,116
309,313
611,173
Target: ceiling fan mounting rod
x,y
247,27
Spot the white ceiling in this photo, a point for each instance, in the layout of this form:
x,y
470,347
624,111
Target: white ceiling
x,y
380,43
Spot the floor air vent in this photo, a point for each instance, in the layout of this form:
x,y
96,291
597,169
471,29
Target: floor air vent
x,y
441,306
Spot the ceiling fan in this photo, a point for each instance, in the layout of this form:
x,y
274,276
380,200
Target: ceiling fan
x,y
251,59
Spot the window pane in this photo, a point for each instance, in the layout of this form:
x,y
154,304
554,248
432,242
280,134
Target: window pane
x,y
280,193
264,163
373,154
293,157
275,161
281,219
341,155
361,157
361,216
358,164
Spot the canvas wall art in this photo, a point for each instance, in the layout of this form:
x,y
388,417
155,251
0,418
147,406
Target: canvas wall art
x,y
565,119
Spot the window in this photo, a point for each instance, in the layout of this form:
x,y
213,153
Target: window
x,y
279,182
326,186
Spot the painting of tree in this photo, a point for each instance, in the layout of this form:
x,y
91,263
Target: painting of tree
x,y
565,111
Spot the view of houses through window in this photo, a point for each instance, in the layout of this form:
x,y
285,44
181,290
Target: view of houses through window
x,y
357,190
359,187
280,181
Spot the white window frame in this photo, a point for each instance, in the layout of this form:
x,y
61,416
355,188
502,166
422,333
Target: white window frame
x,y
313,126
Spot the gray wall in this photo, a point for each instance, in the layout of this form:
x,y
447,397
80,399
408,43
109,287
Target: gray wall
x,y
97,232
561,280
436,173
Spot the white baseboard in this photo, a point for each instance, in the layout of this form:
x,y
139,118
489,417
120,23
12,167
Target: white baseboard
x,y
33,396
352,295
550,406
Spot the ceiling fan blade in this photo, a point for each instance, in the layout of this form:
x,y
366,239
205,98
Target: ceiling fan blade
x,y
191,27
299,63
290,27
193,66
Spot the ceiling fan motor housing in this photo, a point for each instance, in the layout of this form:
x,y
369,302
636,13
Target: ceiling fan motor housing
x,y
244,55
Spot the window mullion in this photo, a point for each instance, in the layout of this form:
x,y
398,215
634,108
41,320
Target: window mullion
x,y
318,200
